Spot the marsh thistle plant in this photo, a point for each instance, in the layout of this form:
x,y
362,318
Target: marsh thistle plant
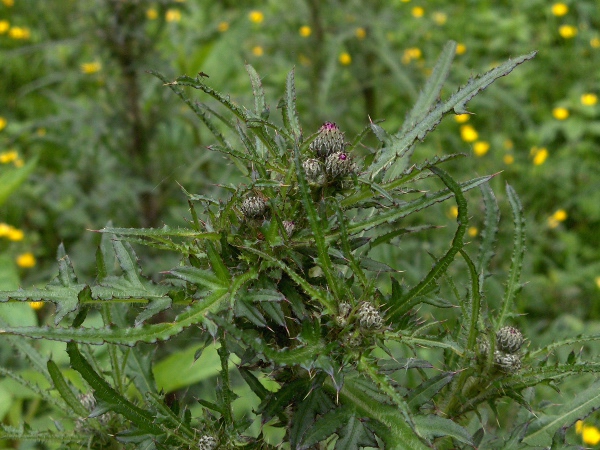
x,y
327,346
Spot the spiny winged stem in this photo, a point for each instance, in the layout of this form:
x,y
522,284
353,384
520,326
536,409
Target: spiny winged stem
x,y
227,392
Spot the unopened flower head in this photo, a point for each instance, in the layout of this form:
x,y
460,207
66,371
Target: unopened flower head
x,y
207,442
339,164
314,171
509,340
368,316
329,140
254,207
289,227
507,362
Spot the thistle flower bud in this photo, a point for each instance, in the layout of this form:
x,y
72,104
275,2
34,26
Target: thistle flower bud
x,y
344,309
315,174
207,442
506,362
254,207
339,164
509,340
368,316
329,140
289,227
483,346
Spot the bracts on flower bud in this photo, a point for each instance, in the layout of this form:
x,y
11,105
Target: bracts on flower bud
x,y
314,171
254,207
369,316
509,340
339,164
329,140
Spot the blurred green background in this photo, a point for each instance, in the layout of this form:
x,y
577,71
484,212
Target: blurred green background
x,y
88,137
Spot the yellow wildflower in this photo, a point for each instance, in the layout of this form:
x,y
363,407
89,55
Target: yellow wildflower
x,y
173,15
595,42
8,3
589,99
480,148
9,156
152,14
440,18
461,49
473,231
560,113
560,215
91,67
462,118
590,435
14,234
468,133
410,54
360,33
508,159
453,212
418,12
223,27
4,229
345,59
559,9
4,26
36,305
579,423
305,31
567,31
258,50
540,156
26,260
19,33
256,16
2,123
597,281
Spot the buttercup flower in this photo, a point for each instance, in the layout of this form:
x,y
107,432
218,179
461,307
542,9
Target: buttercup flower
x,y
19,33
305,31
360,33
559,9
14,234
256,16
595,42
91,67
417,12
26,260
468,133
9,156
589,99
151,14
223,26
539,155
472,231
462,118
508,159
173,15
258,51
567,31
4,26
480,148
559,216
560,113
590,435
461,49
36,305
345,59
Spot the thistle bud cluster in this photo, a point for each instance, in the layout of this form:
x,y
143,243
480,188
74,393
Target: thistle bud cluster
x,y
332,161
506,352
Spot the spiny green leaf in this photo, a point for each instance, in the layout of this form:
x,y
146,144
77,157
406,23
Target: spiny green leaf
x,y
489,232
65,391
103,391
456,103
516,262
428,389
412,296
432,426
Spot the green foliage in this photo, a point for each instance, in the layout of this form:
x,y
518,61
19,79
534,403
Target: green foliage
x,y
339,349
